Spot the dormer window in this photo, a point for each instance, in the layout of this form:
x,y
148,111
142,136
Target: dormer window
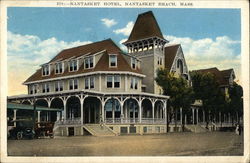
x,y
113,60
73,65
133,63
89,62
46,70
59,68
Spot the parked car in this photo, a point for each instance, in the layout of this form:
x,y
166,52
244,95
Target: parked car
x,y
23,129
44,129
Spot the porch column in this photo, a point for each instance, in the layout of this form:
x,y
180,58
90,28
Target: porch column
x,y
38,116
224,119
193,114
113,111
57,116
103,103
165,113
122,115
237,117
81,111
134,113
94,113
140,110
197,116
64,109
14,118
153,112
181,115
229,118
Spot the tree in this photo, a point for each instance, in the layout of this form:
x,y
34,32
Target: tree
x,y
207,89
236,100
181,94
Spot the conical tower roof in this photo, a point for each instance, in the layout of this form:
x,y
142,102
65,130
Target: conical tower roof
x,y
145,26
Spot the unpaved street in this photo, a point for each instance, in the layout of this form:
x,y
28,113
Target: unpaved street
x,y
210,143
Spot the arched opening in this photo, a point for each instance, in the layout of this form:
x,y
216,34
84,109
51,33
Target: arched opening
x,y
112,109
44,115
73,108
58,104
131,110
91,110
26,102
158,110
147,109
180,66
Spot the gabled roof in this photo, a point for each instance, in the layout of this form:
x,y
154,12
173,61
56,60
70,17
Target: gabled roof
x,y
222,77
170,53
145,26
88,49
107,46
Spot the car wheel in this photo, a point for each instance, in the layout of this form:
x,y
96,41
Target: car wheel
x,y
19,135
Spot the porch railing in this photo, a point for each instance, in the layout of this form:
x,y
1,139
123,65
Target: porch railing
x,y
75,121
135,120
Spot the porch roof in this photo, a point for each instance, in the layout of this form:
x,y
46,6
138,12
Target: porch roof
x,y
15,106
87,92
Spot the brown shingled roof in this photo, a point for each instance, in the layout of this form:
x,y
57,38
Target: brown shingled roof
x,y
222,77
145,26
103,64
170,53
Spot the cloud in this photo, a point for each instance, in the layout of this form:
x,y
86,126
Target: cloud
x,y
123,47
126,30
26,53
220,52
108,22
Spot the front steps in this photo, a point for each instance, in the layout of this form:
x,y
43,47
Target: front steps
x,y
99,130
195,128
86,129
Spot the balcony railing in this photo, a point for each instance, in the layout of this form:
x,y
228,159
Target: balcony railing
x,y
135,121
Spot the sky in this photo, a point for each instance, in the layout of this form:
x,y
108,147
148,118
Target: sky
x,y
209,37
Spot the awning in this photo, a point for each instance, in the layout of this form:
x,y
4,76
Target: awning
x,y
15,106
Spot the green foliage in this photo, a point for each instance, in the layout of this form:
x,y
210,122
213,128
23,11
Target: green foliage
x,y
236,100
181,94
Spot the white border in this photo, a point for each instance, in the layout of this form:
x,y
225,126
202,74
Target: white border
x,y
243,5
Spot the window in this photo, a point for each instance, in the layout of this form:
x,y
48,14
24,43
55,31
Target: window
x,y
86,83
109,81
133,63
113,81
45,87
89,82
92,85
58,86
73,84
89,62
46,70
73,66
33,89
112,60
134,83
131,83
117,81
59,68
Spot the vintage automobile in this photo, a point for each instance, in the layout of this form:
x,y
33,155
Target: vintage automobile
x,y
44,129
23,129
